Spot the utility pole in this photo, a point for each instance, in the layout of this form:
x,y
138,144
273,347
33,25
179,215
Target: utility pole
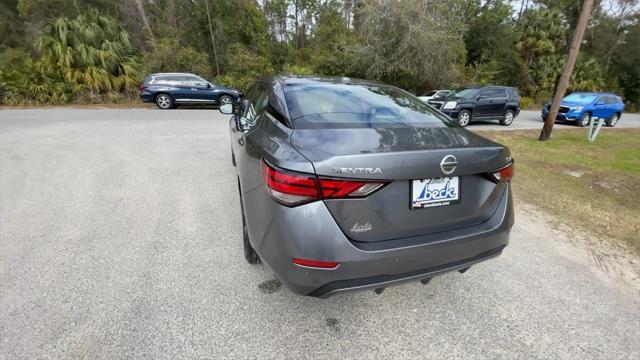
x,y
213,43
568,69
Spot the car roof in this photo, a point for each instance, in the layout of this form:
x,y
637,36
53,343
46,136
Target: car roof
x,y
302,79
173,73
592,93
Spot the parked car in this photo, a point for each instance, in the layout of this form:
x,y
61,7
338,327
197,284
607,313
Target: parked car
x,y
434,94
480,103
167,90
580,107
350,184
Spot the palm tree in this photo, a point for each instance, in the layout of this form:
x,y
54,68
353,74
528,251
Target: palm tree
x,y
91,52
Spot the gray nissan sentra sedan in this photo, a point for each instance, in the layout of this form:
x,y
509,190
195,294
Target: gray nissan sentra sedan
x,y
350,184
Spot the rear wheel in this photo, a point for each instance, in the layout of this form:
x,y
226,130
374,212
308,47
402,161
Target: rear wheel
x,y
249,253
164,101
509,115
614,120
584,120
464,118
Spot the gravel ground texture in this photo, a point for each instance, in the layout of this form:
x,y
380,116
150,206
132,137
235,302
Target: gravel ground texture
x,y
120,237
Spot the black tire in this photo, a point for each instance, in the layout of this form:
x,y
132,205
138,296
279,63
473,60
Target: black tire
x,y
614,120
464,118
249,253
508,118
164,102
584,120
225,99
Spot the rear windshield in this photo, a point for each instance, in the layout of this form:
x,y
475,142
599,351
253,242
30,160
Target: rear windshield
x,y
580,98
337,105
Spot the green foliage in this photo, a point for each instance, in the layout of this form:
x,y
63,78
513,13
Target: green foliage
x,y
24,81
91,51
297,70
526,102
586,76
245,66
59,50
332,43
169,55
409,44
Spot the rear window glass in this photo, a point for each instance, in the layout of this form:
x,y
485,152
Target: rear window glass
x,y
580,98
337,105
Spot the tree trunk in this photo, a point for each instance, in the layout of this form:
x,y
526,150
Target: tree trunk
x,y
296,24
213,43
545,134
145,19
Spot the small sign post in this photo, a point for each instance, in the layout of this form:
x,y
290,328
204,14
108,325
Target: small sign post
x,y
594,128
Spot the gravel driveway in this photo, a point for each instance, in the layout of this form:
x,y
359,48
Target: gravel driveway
x,y
120,237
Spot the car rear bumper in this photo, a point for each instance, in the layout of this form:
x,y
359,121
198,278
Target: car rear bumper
x,y
146,96
309,232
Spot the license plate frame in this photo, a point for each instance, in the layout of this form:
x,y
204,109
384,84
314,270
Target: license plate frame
x,y
423,197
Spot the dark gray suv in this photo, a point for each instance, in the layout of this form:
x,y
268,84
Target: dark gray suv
x,y
470,104
349,184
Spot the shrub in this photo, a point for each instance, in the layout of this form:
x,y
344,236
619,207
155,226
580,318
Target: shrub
x,y
92,53
245,66
526,102
168,55
24,81
297,70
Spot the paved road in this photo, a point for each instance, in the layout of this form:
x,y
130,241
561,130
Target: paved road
x,y
120,238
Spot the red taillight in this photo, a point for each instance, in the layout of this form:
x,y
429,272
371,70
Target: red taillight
x,y
292,188
316,264
504,174
142,87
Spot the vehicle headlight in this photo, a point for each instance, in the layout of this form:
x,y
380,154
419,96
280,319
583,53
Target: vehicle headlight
x,y
450,105
577,108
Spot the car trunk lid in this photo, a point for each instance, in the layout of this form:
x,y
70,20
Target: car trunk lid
x,y
399,156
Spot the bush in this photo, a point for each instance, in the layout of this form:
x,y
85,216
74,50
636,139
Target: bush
x,y
526,102
245,66
24,81
168,55
297,70
542,97
92,52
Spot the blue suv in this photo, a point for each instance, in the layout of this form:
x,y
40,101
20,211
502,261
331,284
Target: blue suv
x,y
580,107
167,90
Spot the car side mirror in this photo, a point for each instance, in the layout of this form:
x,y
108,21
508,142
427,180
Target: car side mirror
x,y
208,86
226,108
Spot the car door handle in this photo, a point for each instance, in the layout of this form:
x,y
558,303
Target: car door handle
x,y
241,141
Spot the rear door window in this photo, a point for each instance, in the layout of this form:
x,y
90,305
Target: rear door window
x,y
171,80
493,94
195,81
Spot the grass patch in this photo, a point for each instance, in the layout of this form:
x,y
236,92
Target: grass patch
x,y
593,186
